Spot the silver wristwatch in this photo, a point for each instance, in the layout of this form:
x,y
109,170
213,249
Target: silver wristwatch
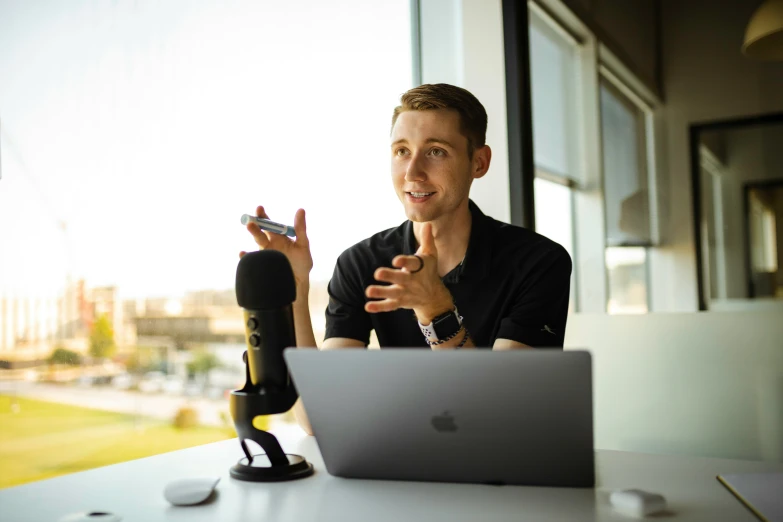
x,y
445,326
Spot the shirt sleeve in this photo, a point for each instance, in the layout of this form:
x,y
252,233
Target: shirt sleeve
x,y
538,315
345,314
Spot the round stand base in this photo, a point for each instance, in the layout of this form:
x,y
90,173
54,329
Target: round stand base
x,y
261,469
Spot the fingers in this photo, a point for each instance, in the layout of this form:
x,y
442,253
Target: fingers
x,y
300,226
408,264
383,292
265,239
241,254
387,305
389,275
427,246
261,237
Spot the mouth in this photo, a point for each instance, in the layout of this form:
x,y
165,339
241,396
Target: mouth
x,y
419,196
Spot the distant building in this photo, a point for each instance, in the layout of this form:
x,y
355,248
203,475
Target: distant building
x,y
31,326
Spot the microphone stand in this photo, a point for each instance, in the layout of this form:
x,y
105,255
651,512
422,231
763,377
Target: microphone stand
x,y
248,403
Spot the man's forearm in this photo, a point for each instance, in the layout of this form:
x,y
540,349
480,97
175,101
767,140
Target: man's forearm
x,y
455,342
301,417
305,337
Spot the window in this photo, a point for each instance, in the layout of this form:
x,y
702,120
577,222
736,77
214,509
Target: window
x,y
764,254
554,214
132,142
627,199
627,280
554,81
554,65
714,262
625,170
594,163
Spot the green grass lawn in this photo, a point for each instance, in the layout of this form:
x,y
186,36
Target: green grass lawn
x,y
41,440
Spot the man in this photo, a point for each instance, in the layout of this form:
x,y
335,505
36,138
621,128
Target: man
x,y
449,277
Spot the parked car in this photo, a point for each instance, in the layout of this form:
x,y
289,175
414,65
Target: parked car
x,y
193,389
152,382
122,381
173,385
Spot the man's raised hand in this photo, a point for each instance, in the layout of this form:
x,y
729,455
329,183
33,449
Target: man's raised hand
x,y
414,283
296,250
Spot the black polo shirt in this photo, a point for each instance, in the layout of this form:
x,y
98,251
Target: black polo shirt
x,y
513,284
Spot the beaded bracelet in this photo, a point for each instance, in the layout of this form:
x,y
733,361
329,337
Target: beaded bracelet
x,y
447,339
464,339
461,343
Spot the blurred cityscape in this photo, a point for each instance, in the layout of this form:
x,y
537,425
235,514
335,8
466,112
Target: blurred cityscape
x,y
89,338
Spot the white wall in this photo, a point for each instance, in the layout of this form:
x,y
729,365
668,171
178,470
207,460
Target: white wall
x,y
708,383
705,78
462,44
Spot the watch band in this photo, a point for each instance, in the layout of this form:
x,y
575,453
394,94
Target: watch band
x,y
433,334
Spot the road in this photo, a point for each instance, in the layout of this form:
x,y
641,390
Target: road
x,y
159,406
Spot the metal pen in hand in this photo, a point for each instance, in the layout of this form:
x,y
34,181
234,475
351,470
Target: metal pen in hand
x,y
271,226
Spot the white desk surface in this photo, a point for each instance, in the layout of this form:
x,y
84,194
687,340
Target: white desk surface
x,y
134,490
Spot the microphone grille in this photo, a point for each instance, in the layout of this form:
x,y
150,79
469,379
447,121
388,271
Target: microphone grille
x,y
265,281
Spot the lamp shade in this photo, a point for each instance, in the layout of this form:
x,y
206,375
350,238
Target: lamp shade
x,y
764,34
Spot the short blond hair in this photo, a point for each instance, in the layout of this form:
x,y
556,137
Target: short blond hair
x,y
472,115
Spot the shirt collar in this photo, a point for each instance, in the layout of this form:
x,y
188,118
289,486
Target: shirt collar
x,y
478,256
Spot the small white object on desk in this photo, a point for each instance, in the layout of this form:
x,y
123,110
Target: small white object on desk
x,y
637,502
189,491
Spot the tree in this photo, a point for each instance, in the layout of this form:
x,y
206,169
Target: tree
x,y
64,356
142,360
102,338
202,362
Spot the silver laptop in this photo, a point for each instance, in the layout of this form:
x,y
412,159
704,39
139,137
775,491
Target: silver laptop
x,y
513,417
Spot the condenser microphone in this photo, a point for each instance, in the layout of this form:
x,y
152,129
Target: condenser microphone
x,y
266,290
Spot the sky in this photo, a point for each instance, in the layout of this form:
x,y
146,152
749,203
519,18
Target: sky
x,y
134,134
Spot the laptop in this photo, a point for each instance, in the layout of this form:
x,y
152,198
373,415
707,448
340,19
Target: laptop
x,y
522,417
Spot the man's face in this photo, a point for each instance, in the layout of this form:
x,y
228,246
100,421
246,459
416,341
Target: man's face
x,y
430,167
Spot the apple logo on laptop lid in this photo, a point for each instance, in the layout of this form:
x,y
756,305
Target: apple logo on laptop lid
x,y
444,423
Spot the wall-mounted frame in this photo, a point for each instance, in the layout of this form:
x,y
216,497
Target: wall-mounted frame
x,y
748,189
696,133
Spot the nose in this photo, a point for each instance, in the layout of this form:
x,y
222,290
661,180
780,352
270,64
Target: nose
x,y
414,171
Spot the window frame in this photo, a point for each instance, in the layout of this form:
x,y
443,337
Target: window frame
x,y
612,71
646,141
628,89
597,63
573,181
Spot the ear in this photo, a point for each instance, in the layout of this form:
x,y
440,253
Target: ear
x,y
481,159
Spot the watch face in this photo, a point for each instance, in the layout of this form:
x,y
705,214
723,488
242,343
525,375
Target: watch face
x,y
446,325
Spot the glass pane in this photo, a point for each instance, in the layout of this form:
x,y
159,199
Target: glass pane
x,y
554,213
554,219
627,276
763,233
708,234
765,212
134,135
625,175
554,80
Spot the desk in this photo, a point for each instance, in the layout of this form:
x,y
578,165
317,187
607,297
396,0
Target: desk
x,y
135,491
